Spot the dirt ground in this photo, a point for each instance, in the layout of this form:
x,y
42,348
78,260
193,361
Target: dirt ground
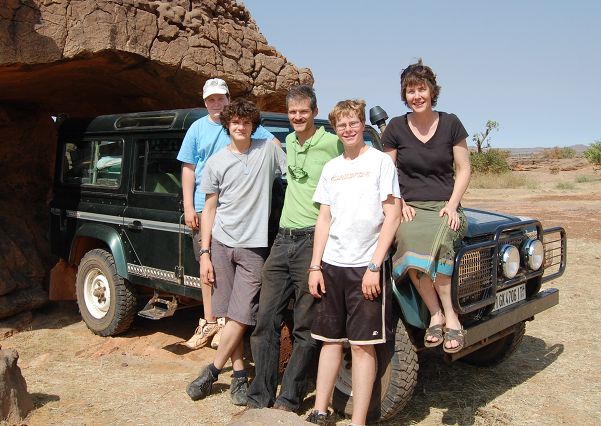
x,y
77,378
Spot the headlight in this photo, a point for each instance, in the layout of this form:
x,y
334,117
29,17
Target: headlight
x,y
510,260
533,254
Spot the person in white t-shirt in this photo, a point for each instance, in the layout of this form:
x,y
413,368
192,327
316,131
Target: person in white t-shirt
x,y
360,211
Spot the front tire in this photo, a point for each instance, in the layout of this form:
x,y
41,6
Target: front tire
x,y
498,351
396,377
106,301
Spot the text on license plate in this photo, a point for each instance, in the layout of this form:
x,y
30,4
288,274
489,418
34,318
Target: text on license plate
x,y
510,296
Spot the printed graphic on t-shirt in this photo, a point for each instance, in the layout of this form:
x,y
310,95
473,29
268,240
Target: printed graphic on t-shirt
x,y
353,175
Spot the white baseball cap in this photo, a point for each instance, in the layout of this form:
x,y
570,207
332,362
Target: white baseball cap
x,y
214,86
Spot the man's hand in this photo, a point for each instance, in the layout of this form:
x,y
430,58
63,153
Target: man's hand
x,y
191,218
207,275
317,286
371,285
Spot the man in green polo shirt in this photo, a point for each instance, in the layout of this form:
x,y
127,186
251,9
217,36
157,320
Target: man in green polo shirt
x,y
285,271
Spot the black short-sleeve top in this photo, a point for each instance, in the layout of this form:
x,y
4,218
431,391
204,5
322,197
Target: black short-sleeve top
x,y
425,169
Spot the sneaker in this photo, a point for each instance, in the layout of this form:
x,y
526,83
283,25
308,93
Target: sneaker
x,y
201,386
318,418
202,334
238,390
217,336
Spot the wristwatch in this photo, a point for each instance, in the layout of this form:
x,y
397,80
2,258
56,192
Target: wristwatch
x,y
203,251
373,267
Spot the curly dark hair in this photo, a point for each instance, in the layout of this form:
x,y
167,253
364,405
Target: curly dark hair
x,y
417,74
240,108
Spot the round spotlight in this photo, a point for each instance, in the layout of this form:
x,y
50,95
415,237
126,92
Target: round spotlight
x,y
533,254
510,260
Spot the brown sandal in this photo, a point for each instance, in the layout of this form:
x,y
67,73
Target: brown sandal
x,y
452,334
434,332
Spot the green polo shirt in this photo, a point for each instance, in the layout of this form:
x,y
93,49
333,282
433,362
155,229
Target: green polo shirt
x,y
299,209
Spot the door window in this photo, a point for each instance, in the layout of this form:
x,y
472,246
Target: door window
x,y
93,163
157,169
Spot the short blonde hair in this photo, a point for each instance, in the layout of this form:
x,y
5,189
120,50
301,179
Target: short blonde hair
x,y
346,108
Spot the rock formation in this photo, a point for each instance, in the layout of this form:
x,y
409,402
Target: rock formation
x,y
84,57
15,402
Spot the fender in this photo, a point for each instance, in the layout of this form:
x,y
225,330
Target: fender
x,y
108,236
415,312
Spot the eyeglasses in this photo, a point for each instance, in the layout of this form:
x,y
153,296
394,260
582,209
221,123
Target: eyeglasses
x,y
352,125
296,172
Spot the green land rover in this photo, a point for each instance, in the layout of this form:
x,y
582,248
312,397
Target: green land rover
x,y
117,216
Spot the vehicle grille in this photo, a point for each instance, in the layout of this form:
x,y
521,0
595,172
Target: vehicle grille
x,y
476,276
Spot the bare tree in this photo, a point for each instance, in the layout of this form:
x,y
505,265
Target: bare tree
x,y
482,139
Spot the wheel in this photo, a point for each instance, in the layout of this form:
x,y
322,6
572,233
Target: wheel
x,y
106,301
396,377
498,351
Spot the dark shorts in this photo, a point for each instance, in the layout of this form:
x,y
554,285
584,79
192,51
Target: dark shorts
x,y
237,283
344,314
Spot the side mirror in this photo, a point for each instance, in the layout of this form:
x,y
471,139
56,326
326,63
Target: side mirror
x,y
378,117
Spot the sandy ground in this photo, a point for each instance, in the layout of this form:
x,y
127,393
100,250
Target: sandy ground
x,y
140,378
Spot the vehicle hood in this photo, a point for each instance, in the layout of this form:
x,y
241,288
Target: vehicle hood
x,y
486,222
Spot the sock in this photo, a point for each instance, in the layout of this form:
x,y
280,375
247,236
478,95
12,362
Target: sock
x,y
214,369
240,373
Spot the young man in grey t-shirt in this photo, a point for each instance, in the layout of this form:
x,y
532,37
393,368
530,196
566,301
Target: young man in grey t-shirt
x,y
237,182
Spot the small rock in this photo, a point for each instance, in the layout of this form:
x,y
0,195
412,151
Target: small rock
x,y
15,402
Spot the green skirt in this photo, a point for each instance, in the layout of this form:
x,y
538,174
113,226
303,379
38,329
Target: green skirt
x,y
427,243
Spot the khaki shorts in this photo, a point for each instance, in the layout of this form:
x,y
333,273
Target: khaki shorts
x,y
237,283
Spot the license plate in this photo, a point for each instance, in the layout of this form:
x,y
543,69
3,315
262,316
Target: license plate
x,y
510,296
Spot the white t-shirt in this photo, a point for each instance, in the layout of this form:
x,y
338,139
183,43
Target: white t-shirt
x,y
355,190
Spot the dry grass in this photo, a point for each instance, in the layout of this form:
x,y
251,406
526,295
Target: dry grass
x,y
565,186
502,181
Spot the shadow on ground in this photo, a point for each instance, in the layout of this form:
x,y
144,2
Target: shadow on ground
x,y
462,391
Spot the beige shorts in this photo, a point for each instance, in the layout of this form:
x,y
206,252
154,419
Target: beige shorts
x,y
237,284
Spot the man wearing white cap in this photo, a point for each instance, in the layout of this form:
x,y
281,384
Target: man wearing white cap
x,y
205,137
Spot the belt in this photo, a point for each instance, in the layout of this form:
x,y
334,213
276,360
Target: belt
x,y
288,232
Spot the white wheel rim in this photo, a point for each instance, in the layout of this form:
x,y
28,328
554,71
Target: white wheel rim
x,y
97,293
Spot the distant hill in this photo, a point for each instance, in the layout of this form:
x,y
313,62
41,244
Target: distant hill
x,y
580,148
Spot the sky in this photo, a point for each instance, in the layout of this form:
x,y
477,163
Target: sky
x,y
534,66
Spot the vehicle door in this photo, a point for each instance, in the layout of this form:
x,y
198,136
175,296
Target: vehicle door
x,y
153,217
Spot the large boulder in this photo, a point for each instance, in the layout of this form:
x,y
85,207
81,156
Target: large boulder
x,y
90,57
15,402
107,56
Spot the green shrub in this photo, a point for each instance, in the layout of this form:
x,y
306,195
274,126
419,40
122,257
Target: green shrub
x,y
565,185
506,180
558,153
491,161
593,153
582,179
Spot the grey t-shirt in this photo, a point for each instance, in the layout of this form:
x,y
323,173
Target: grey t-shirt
x,y
243,183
